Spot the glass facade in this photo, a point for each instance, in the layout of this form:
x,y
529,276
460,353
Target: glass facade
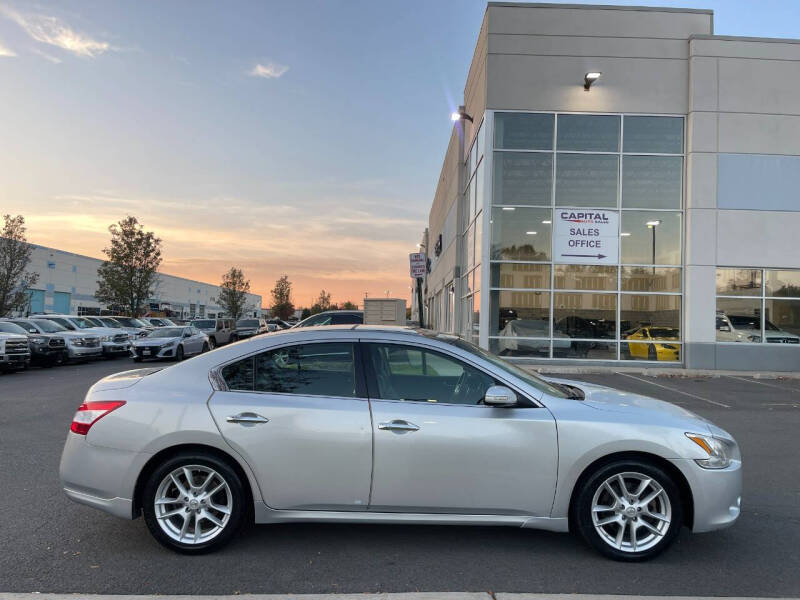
x,y
471,230
621,303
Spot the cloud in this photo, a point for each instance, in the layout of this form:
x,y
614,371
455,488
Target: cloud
x,y
268,70
49,57
54,32
6,52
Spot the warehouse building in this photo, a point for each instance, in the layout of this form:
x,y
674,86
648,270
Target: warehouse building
x,y
67,284
621,186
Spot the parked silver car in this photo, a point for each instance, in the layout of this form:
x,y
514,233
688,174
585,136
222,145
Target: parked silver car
x,y
81,345
365,424
113,342
170,342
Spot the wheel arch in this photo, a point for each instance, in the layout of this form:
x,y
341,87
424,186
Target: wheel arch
x,y
687,498
171,451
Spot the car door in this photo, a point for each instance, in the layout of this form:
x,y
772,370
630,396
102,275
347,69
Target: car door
x,y
437,449
300,417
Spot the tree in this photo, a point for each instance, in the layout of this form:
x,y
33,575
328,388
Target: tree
x,y
322,304
128,278
306,313
233,293
347,305
282,306
15,254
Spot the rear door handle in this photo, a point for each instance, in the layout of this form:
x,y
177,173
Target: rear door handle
x,y
247,418
398,425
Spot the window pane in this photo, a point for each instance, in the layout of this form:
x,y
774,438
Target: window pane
x,y
587,180
479,239
469,240
476,311
523,178
520,314
311,369
782,325
481,141
648,279
521,233
513,346
585,277
652,181
785,284
523,131
476,279
479,182
519,275
660,350
659,135
414,374
587,316
239,375
739,282
738,320
651,237
650,317
588,133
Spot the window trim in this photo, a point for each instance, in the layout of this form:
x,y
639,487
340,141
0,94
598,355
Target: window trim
x,y
524,400
219,384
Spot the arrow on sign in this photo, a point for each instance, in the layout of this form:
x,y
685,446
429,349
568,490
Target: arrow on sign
x,y
586,255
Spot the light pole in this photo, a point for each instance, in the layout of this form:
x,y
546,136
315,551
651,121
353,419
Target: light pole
x,y
652,226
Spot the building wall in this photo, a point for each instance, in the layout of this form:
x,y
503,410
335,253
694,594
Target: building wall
x,y
64,273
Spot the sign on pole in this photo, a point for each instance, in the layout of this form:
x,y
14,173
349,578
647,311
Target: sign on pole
x,y
586,236
418,263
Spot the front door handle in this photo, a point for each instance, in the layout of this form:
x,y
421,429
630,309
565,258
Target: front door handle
x,y
247,418
398,425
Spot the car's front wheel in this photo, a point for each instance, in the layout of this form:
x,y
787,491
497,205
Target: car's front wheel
x,y
629,510
194,503
212,343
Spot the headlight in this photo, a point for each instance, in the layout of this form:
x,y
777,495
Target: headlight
x,y
721,451
38,340
75,341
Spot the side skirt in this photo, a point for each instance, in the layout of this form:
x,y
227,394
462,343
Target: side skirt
x,y
264,514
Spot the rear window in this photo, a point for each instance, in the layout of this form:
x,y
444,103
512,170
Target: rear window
x,y
205,324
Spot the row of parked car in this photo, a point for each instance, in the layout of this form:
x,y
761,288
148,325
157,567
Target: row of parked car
x,y
51,339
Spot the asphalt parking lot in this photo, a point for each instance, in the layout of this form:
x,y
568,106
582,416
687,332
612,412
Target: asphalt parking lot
x,y
53,545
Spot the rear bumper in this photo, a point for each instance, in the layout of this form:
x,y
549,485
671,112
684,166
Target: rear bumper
x,y
716,493
119,507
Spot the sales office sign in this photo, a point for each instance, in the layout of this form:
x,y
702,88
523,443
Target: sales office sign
x,y
586,236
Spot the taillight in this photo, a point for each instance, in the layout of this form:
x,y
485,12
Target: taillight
x,y
90,413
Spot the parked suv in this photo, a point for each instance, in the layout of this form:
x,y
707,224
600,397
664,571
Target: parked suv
x,y
159,322
248,327
46,349
333,317
115,323
747,328
113,342
219,331
14,352
80,345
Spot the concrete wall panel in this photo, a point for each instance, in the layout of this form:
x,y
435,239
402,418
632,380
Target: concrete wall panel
x,y
556,45
701,174
703,84
701,128
758,238
701,225
759,134
759,86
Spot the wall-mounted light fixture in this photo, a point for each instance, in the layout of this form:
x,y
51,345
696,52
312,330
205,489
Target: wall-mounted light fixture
x,y
590,78
461,115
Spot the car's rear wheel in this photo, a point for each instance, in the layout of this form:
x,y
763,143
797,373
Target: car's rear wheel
x,y
629,510
194,503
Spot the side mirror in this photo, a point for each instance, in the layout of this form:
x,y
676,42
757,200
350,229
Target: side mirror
x,y
499,395
187,334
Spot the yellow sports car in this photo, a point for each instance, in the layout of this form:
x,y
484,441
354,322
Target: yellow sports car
x,y
652,343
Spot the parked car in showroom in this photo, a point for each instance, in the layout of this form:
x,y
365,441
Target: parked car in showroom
x,y
112,342
159,322
113,323
170,342
15,355
81,345
652,343
333,317
219,331
248,327
747,328
391,425
46,349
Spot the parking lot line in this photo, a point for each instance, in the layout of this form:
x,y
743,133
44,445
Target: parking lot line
x,y
674,390
772,385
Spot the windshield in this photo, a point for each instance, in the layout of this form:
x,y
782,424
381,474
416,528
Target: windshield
x,y
130,322
526,376
205,324
7,327
46,326
247,323
166,332
162,322
663,332
745,322
108,322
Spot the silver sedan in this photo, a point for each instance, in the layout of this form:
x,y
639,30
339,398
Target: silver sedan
x,y
388,425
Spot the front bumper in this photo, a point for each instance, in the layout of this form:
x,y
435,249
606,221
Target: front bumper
x,y
14,361
100,477
155,352
116,348
716,493
84,351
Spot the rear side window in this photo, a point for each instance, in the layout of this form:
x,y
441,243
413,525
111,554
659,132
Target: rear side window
x,y
307,370
349,319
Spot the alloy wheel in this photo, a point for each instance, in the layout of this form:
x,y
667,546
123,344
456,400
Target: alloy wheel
x,y
631,512
193,504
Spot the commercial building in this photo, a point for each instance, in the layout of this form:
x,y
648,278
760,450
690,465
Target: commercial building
x,y
621,185
67,284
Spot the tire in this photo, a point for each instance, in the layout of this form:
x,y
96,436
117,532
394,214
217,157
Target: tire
x,y
179,354
177,532
137,359
233,338
651,352
653,534
212,343
205,348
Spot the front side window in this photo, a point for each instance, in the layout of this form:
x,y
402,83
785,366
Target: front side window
x,y
409,373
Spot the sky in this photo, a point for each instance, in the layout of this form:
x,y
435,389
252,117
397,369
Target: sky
x,y
301,138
